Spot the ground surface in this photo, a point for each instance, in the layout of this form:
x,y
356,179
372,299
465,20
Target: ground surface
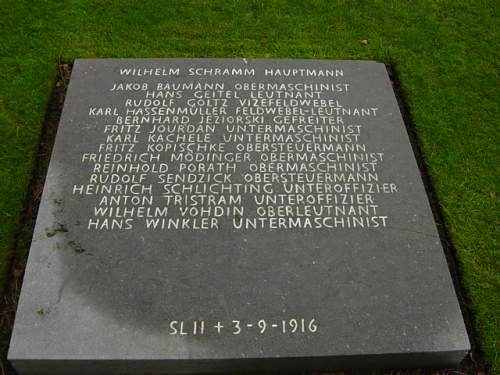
x,y
445,54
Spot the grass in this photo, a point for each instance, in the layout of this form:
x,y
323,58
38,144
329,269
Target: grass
x,y
445,53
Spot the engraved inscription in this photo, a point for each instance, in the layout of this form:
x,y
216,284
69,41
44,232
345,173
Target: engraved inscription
x,y
207,154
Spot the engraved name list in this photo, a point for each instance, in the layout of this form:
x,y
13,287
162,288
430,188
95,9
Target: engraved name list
x,y
202,154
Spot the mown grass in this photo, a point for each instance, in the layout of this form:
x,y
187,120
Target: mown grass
x,y
445,52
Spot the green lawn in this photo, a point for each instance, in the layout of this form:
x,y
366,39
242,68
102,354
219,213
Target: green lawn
x,y
446,53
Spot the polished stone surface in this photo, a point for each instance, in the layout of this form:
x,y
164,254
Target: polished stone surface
x,y
291,294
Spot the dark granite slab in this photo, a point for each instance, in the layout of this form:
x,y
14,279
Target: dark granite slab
x,y
309,245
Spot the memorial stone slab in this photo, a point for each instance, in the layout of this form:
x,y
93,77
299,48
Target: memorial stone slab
x,y
211,215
